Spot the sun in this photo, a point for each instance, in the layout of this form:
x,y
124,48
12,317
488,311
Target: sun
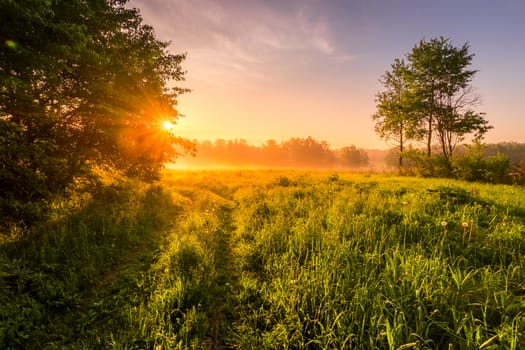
x,y
167,125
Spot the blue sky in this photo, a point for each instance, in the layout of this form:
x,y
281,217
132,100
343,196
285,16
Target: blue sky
x,y
274,69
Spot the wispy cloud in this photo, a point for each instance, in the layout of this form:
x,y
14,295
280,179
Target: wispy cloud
x,y
234,41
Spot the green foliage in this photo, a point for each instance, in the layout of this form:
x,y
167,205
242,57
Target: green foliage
x,y
473,166
353,157
493,169
83,84
429,96
273,259
433,166
369,265
497,169
24,188
518,173
395,120
51,276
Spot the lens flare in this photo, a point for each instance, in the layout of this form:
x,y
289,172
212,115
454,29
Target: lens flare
x,y
168,125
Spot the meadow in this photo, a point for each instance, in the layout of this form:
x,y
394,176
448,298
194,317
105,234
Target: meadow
x,y
247,259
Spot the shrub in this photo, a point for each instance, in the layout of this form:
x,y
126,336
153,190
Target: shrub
x,y
468,167
497,169
473,167
433,166
518,173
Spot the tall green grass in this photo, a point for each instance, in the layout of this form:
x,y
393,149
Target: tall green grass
x,y
69,282
368,264
273,259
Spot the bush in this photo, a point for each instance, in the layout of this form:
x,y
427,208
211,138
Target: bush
x,y
433,166
497,169
473,167
518,173
468,167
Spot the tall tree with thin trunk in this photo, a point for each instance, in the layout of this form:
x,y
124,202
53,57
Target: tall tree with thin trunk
x,y
440,77
430,93
394,118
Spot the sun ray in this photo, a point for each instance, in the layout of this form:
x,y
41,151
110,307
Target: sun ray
x,y
168,125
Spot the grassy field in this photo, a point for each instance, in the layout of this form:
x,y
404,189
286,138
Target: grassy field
x,y
270,260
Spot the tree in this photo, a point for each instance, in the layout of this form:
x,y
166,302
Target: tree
x,y
83,84
440,79
307,152
353,156
429,96
394,120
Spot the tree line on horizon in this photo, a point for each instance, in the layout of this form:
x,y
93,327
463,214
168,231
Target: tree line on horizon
x,y
311,153
295,152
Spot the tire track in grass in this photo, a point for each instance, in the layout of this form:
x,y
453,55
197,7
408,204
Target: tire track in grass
x,y
221,312
133,239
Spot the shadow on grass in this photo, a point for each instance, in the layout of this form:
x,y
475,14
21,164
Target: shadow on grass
x,y
67,281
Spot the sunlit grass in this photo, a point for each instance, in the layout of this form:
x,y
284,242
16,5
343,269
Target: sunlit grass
x,y
275,259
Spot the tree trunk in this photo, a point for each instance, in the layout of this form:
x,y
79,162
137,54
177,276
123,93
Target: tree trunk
x,y
401,149
429,140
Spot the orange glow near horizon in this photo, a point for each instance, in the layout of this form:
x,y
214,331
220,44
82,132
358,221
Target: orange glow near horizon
x,y
283,115
258,70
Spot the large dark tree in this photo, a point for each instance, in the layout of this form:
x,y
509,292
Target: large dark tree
x,y
430,93
83,84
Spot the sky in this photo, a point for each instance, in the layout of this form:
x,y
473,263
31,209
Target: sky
x,y
276,69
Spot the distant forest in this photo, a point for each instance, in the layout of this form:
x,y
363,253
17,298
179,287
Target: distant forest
x,y
311,153
294,152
